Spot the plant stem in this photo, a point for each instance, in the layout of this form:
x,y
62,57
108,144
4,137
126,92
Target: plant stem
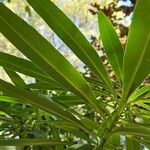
x,y
116,117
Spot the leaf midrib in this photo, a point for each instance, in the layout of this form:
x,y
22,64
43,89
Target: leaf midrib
x,y
138,66
75,42
113,49
80,91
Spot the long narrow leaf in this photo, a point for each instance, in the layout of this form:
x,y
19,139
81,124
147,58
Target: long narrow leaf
x,y
137,54
23,66
40,102
111,43
68,100
140,93
136,131
15,78
44,86
143,141
71,35
24,142
8,99
132,144
145,106
44,55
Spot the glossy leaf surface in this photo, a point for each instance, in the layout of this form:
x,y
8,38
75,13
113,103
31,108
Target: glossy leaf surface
x,y
137,54
111,43
71,35
44,55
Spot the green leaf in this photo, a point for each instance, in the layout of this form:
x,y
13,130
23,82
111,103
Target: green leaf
x,y
2,113
111,43
138,94
15,78
44,55
145,106
140,130
80,146
144,141
55,135
94,81
137,54
23,142
71,128
44,86
72,37
90,124
6,107
115,140
106,123
132,144
9,99
23,66
62,125
40,102
68,100
147,95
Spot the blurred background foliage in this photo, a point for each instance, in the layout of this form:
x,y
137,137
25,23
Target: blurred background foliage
x,y
22,121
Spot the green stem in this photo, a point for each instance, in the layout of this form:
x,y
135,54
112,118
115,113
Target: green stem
x,y
105,135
